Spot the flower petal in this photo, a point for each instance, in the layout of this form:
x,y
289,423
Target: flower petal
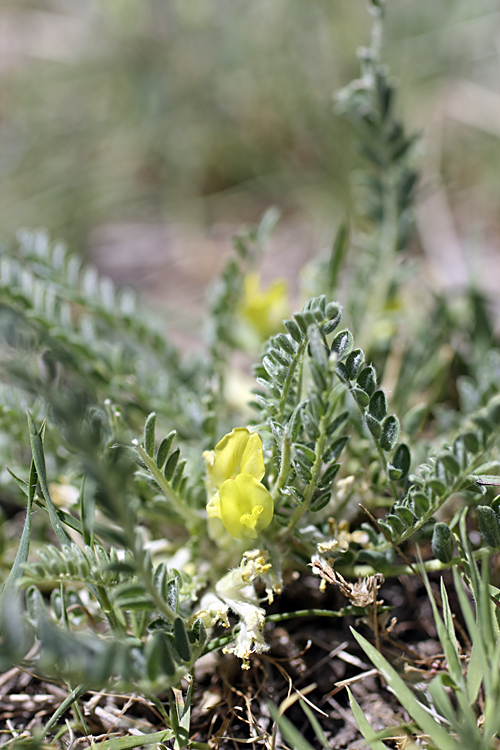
x,y
213,506
246,506
252,460
264,310
238,452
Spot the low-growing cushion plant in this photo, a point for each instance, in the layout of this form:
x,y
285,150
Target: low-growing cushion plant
x,y
161,523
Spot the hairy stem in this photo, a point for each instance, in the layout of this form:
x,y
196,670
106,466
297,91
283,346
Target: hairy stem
x,y
289,379
179,506
284,466
315,473
381,456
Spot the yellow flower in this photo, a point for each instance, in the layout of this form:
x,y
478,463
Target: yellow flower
x,y
239,452
246,507
264,310
235,469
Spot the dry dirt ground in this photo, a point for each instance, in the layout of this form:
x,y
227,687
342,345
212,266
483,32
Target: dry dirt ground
x,y
312,658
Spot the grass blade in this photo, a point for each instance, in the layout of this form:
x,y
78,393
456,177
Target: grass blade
x,y
438,734
24,545
128,743
289,731
39,461
362,722
318,729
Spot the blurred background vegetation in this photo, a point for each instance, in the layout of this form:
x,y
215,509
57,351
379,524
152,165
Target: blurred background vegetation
x,y
121,120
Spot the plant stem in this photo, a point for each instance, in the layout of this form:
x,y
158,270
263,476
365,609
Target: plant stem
x,y
145,573
456,487
284,466
108,610
67,702
281,616
289,379
383,461
161,708
381,457
179,506
315,472
431,566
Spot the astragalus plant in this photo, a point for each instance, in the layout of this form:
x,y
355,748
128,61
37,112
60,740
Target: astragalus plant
x,y
161,521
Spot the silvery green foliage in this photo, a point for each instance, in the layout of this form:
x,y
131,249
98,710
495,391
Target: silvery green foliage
x,y
308,374
109,590
64,327
384,188
128,420
455,469
318,394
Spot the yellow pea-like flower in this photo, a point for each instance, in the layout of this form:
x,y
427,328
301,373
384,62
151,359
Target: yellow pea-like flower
x,y
235,468
239,452
264,310
246,506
